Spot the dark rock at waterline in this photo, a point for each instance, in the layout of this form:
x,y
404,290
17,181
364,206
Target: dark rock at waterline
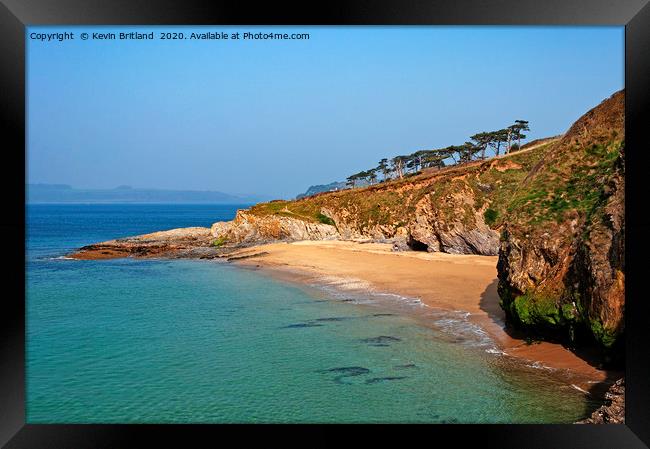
x,y
382,340
383,314
375,380
613,411
193,243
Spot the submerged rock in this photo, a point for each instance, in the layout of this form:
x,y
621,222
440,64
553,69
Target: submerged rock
x,y
406,366
382,340
375,380
302,325
346,371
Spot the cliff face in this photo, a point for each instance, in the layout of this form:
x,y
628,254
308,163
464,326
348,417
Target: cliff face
x,y
248,228
561,259
456,210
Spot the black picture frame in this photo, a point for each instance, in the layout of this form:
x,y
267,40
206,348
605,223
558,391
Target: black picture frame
x,y
15,15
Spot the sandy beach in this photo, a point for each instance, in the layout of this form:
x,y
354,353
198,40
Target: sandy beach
x,y
440,280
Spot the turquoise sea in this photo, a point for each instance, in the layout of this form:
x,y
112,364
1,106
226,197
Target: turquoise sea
x,y
175,341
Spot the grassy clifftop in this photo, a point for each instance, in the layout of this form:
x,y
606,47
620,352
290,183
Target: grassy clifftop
x,y
490,185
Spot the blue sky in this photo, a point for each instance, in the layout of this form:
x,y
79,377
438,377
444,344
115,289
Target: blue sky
x,y
274,117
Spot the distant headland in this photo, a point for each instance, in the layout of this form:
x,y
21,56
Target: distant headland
x,y
64,193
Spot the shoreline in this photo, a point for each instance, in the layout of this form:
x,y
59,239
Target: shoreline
x,y
440,281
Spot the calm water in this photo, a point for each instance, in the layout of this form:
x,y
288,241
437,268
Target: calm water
x,y
201,341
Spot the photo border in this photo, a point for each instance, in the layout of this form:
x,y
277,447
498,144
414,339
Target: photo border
x,y
15,15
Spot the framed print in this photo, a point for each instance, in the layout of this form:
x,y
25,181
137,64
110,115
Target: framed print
x,y
366,213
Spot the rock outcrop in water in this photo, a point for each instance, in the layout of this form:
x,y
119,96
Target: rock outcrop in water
x,y
185,242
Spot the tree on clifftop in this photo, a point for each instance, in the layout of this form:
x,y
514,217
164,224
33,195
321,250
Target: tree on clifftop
x,y
481,141
397,164
434,158
352,180
450,151
515,132
467,151
520,127
372,175
498,137
384,168
509,136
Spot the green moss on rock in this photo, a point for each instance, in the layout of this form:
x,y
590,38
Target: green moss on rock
x,y
321,217
606,337
536,310
490,216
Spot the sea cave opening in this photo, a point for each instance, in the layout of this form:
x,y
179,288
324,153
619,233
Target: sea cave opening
x,y
417,245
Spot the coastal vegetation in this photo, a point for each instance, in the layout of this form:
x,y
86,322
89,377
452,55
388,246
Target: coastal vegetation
x,y
475,149
491,184
219,241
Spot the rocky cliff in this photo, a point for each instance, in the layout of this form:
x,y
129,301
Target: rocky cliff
x,y
455,210
249,228
561,258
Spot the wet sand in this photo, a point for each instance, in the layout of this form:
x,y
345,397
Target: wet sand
x,y
445,281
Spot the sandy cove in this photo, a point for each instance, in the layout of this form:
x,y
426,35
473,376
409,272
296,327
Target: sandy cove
x,y
440,280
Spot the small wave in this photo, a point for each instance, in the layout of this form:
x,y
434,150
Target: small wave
x,y
495,351
60,258
539,365
461,330
408,300
345,283
358,291
580,389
